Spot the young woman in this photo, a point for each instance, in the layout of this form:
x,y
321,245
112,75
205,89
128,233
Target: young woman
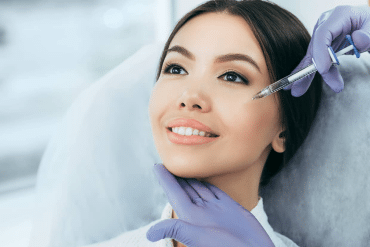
x,y
216,59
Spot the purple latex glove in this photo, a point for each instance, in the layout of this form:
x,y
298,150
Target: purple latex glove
x,y
207,216
331,30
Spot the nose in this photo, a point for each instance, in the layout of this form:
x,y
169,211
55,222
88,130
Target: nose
x,y
194,106
195,101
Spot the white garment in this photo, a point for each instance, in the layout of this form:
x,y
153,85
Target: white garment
x,y
138,237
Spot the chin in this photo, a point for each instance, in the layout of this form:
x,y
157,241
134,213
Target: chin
x,y
181,171
187,170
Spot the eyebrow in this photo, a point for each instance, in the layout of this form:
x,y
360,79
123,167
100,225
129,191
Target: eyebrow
x,y
219,59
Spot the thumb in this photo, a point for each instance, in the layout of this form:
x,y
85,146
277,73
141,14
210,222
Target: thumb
x,y
361,39
333,79
301,86
170,228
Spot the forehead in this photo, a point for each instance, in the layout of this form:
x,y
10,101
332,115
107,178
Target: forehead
x,y
212,34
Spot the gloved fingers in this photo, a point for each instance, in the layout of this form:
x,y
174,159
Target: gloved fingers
x,y
168,228
175,193
332,32
339,43
157,231
179,230
343,20
333,79
301,86
288,87
321,55
361,39
200,190
193,195
220,194
212,188
323,17
320,51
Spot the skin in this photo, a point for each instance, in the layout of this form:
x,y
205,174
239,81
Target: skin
x,y
200,89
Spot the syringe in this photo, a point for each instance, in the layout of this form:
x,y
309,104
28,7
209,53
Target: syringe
x,y
286,81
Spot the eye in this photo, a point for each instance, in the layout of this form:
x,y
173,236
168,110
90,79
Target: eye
x,y
234,76
172,67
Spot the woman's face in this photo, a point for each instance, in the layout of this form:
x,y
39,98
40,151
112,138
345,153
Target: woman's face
x,y
200,88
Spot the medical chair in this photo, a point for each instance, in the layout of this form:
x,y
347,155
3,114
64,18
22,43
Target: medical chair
x,y
95,179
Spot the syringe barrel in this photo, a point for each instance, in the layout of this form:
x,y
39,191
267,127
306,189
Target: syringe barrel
x,y
286,81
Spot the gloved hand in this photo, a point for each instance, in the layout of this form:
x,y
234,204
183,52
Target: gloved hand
x,y
207,216
331,30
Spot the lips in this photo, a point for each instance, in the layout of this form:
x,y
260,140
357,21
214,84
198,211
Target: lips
x,y
192,123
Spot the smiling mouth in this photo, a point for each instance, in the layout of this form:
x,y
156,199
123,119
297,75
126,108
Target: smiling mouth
x,y
211,136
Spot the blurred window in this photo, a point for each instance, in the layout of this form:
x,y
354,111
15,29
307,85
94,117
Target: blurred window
x,y
50,50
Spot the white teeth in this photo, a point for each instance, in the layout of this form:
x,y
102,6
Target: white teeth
x,y
196,132
189,131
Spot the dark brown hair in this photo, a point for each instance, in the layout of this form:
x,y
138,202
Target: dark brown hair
x,y
284,41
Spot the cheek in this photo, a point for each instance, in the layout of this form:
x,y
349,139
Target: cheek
x,y
157,101
254,125
159,104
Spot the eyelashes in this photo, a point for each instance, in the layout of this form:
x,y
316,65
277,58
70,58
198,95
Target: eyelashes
x,y
168,67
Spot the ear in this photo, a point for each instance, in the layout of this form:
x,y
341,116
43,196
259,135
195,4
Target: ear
x,y
278,144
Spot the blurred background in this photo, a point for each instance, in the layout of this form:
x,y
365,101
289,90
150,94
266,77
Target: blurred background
x,y
51,50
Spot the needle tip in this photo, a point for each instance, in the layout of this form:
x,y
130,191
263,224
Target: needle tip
x,y
257,96
261,94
